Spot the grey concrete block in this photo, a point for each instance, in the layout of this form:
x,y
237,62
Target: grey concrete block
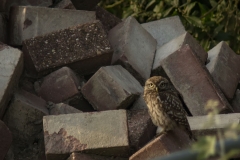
x,y
164,30
65,4
134,48
236,102
61,108
11,67
174,45
28,21
111,87
224,68
3,27
139,104
102,133
193,81
76,47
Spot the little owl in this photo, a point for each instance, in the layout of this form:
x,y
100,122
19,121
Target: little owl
x,y
164,106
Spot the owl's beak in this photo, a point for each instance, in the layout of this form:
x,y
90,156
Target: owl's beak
x,y
157,89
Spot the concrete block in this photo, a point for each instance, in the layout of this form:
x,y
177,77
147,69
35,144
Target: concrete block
x,y
83,156
235,103
224,68
102,133
134,48
75,47
140,129
163,145
139,104
85,4
11,67
111,87
65,4
59,85
164,30
28,21
5,139
108,20
3,27
199,125
61,108
174,45
24,115
193,81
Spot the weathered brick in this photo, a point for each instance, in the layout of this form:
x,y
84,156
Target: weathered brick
x,y
108,20
85,4
200,124
61,108
236,102
139,103
75,47
83,156
165,29
65,4
59,85
111,87
163,145
174,45
134,48
11,67
224,68
193,81
3,27
103,133
5,139
24,23
140,128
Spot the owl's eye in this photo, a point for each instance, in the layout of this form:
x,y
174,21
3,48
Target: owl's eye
x,y
162,85
151,85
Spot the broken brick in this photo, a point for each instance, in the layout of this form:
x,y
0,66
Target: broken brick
x,y
224,68
67,133
61,108
165,29
193,81
85,4
173,141
111,87
11,67
5,139
83,156
75,47
24,23
134,48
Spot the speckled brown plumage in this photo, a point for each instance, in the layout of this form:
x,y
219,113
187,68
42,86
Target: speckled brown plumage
x,y
164,106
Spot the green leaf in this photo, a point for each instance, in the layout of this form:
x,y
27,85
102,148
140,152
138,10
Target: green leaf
x,y
213,3
158,7
176,3
167,12
150,4
203,8
217,30
194,21
189,7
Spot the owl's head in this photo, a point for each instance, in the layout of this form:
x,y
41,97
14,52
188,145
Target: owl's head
x,y
157,83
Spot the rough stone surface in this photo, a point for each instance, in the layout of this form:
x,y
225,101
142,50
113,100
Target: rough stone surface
x,y
139,103
5,139
199,125
224,68
61,108
83,156
75,46
65,4
140,128
193,81
108,20
59,85
11,67
134,48
111,87
3,27
236,102
85,4
172,141
166,29
28,21
9,3
67,133
175,44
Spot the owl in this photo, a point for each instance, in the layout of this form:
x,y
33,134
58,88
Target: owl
x,y
164,106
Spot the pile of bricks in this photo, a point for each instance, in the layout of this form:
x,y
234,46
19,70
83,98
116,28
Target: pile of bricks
x,y
72,78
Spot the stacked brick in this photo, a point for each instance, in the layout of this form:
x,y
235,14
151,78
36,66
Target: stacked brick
x,y
74,90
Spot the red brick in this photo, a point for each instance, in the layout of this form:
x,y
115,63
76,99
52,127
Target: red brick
x,y
11,69
5,139
111,87
140,128
24,24
61,108
59,85
172,141
224,68
76,47
134,48
85,4
82,156
193,81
